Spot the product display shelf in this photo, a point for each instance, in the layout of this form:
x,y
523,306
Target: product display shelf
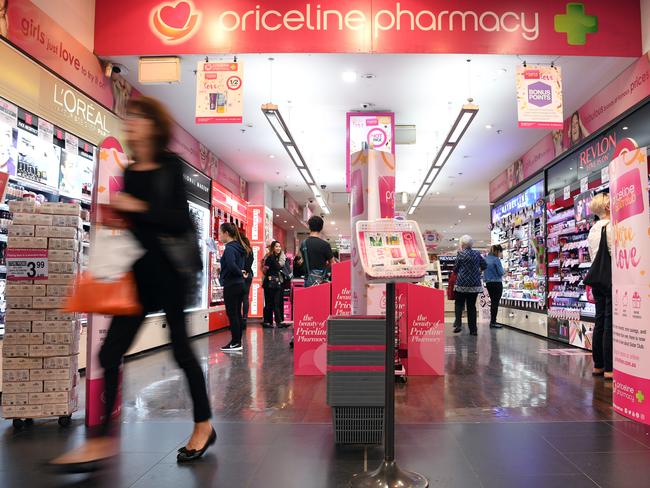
x,y
447,264
522,240
569,262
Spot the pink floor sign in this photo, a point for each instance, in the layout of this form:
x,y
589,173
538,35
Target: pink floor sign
x,y
311,311
425,316
631,284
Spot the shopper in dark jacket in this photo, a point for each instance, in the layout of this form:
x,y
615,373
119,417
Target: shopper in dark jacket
x,y
469,264
274,263
248,281
231,277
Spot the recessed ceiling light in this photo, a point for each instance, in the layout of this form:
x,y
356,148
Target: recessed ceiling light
x,y
292,226
333,222
470,214
462,207
349,76
285,221
272,156
277,215
625,128
488,126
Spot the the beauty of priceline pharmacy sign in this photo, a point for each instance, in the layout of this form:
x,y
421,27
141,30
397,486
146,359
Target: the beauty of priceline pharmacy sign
x,y
558,27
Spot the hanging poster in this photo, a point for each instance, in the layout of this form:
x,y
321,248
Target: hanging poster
x,y
219,93
631,284
539,97
368,130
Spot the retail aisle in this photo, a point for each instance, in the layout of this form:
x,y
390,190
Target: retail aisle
x,y
513,411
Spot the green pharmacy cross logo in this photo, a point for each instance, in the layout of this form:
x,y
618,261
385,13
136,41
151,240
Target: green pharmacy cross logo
x,y
640,396
576,24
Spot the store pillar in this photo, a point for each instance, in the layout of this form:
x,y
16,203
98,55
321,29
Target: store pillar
x,y
372,197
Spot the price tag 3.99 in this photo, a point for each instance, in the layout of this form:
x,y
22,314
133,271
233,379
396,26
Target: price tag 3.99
x,y
26,264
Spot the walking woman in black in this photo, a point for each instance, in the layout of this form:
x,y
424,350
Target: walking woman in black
x,y
154,203
248,280
272,284
231,277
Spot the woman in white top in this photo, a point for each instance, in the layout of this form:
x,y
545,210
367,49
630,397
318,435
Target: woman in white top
x,y
602,339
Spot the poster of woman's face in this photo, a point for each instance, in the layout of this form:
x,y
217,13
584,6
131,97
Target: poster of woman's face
x,y
8,138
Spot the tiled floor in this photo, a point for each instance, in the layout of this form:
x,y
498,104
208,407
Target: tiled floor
x,y
510,412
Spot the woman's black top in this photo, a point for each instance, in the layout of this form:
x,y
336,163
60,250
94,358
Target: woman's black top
x,y
163,189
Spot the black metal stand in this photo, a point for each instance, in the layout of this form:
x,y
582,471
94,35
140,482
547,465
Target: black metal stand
x,y
389,475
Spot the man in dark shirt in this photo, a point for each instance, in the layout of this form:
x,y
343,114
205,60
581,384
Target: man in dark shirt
x,y
316,253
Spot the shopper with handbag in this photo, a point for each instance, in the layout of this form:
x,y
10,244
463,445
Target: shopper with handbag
x,y
599,277
231,277
316,253
154,203
273,282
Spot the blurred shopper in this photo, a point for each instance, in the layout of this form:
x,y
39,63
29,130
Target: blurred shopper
x,y
154,204
493,275
316,253
248,280
231,276
274,264
600,280
469,264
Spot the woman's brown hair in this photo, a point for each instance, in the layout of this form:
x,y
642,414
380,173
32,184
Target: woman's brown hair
x,y
152,109
496,249
233,231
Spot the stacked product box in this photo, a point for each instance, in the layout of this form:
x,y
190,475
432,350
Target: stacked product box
x,y
41,344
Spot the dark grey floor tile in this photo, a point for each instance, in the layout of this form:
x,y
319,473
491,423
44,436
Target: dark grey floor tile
x,y
207,472
543,481
639,432
614,469
149,436
614,441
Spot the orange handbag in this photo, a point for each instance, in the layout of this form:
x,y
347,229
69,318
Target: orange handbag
x,y
117,297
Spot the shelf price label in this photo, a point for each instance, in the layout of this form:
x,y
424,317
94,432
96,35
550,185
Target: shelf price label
x,y
604,175
27,264
567,192
584,184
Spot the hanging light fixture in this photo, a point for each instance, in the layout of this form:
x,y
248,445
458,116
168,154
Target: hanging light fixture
x,y
273,115
459,127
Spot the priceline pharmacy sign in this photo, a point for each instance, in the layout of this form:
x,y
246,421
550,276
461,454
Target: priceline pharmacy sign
x,y
381,26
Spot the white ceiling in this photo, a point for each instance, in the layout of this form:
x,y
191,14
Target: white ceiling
x,y
425,90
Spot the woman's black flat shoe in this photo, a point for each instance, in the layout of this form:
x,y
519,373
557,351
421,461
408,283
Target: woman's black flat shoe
x,y
188,455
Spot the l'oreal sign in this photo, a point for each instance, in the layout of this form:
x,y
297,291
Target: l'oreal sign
x,y
81,111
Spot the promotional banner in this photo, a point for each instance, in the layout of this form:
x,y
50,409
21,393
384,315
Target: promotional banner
x,y
631,284
553,27
219,93
539,97
311,311
368,130
426,331
628,89
341,297
35,32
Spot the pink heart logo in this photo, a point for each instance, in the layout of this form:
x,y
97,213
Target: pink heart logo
x,y
177,16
